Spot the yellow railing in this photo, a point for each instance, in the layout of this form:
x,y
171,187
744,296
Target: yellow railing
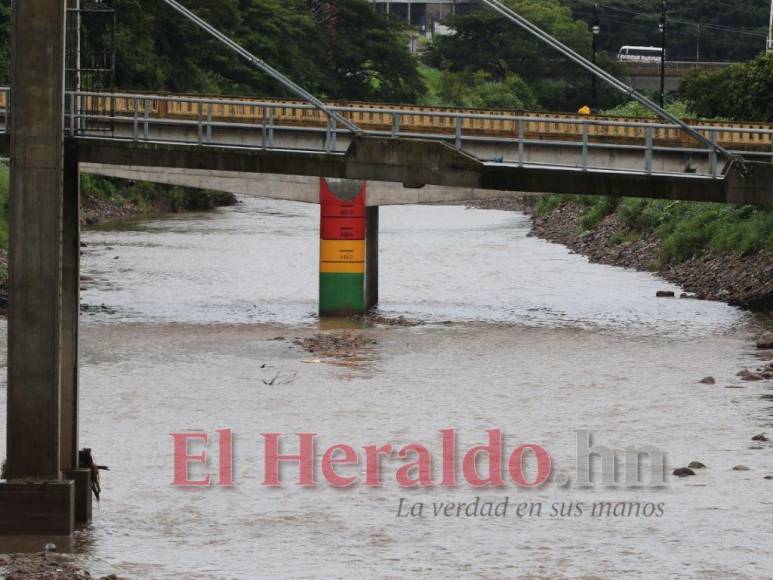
x,y
425,119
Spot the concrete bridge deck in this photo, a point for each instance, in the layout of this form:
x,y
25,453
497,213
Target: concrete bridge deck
x,y
413,164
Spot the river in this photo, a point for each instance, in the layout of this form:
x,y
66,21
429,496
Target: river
x,y
189,317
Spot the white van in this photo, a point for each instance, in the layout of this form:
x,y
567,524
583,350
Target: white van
x,y
640,53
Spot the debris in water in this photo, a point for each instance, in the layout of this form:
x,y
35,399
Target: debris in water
x,y
86,461
373,318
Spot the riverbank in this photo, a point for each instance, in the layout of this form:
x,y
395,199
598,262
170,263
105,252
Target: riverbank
x,y
606,237
44,566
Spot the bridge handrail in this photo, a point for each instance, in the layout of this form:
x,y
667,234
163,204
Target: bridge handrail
x,y
202,119
409,110
563,118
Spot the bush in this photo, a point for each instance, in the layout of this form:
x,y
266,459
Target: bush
x,y
598,209
153,195
743,92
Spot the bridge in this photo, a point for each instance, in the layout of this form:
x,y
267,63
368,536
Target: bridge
x,y
50,135
549,152
645,76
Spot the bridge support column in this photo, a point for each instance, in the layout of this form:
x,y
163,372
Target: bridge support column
x,y
71,236
35,500
371,257
342,247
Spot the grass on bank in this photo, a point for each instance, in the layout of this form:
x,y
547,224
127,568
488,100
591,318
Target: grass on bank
x,y
684,229
152,196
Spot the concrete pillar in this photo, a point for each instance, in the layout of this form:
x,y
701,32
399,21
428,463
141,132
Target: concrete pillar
x,y
35,301
70,311
371,257
69,338
342,247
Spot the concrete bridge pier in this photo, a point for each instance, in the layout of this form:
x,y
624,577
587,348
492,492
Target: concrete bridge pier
x,y
41,440
348,272
69,333
371,256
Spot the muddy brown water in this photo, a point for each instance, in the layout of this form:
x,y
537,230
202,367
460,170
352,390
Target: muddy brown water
x,y
189,317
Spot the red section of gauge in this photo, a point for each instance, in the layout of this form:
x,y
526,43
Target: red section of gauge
x,y
343,228
333,207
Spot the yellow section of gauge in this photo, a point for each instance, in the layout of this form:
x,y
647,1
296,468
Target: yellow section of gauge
x,y
342,267
344,251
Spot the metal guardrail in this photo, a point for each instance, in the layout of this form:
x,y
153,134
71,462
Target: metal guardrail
x,y
202,118
673,67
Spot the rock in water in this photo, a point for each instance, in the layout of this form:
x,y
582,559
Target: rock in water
x,y
708,381
760,437
740,468
664,294
747,375
683,472
696,465
49,548
765,341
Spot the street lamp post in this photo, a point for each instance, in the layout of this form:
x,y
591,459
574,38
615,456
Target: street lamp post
x,y
770,30
662,28
595,29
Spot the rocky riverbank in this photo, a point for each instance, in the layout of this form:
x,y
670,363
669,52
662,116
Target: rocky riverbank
x,y
108,202
745,281
44,566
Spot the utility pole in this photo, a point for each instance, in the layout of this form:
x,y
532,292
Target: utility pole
x,y
770,30
698,45
78,46
595,29
662,27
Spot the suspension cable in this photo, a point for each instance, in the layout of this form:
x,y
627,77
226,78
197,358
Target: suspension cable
x,y
510,14
262,65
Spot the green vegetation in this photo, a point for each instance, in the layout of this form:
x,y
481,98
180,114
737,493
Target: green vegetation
x,y
489,45
364,57
476,90
634,109
152,196
740,92
684,229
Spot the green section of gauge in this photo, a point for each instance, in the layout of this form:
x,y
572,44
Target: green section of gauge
x,y
341,294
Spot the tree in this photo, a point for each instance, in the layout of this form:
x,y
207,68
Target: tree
x,y
742,92
366,56
363,57
486,41
477,90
